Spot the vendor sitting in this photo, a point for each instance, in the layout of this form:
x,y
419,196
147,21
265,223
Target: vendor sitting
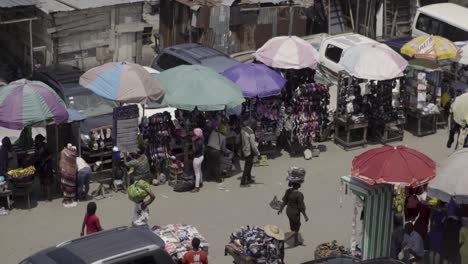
x,y
140,165
413,245
195,256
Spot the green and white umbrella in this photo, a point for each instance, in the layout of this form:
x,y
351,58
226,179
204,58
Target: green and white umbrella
x,y
190,87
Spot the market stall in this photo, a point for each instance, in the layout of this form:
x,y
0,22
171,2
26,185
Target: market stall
x,y
426,81
262,87
423,94
303,116
369,96
201,97
178,239
373,186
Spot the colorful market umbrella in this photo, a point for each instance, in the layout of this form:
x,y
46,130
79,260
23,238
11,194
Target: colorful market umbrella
x,y
194,86
123,82
373,62
288,53
431,48
452,179
24,103
398,165
460,110
256,80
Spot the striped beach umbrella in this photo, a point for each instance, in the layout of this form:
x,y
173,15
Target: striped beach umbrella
x,y
288,53
123,82
23,103
431,48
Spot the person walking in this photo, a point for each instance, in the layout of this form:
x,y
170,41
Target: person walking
x,y
196,255
141,210
250,150
83,176
293,200
198,150
91,221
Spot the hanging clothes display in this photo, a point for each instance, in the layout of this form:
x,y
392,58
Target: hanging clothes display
x,y
126,127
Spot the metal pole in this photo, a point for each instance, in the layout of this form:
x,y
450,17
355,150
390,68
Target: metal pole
x,y
291,18
356,28
31,46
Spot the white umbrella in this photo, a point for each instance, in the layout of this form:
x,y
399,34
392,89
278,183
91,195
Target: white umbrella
x,y
452,179
288,53
373,61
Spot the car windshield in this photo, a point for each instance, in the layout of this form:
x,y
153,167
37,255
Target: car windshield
x,y
91,105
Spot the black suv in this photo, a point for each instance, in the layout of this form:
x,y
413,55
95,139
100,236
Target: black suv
x,y
123,245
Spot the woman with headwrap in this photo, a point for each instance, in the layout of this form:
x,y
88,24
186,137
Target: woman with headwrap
x,y
43,164
8,159
198,149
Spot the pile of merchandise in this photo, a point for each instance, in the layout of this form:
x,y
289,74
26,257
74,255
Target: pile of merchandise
x,y
266,112
100,139
310,112
381,108
296,174
254,242
178,239
157,130
331,249
126,127
19,173
351,103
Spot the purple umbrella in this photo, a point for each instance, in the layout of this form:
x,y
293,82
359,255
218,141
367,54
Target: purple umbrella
x,y
256,80
23,103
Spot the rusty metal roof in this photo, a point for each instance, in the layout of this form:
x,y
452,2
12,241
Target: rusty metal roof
x,y
16,3
53,6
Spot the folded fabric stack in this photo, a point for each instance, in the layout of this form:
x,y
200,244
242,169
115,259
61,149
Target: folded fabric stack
x,y
254,242
178,239
296,174
126,127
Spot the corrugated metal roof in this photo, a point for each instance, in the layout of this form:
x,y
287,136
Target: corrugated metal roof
x,y
15,3
52,6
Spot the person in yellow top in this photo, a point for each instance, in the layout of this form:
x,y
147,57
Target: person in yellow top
x,y
464,241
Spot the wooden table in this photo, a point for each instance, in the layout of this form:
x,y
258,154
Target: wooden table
x,y
420,125
387,133
348,127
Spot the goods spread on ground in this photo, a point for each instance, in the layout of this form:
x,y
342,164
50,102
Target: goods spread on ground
x,y
178,239
252,241
137,191
22,172
331,249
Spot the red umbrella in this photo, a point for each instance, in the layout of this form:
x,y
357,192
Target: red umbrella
x,y
395,165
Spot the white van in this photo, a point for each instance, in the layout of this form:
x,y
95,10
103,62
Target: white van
x,y
447,20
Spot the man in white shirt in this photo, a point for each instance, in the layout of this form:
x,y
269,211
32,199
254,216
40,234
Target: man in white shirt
x,y
83,176
413,245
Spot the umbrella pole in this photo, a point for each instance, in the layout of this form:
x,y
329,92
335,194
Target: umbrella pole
x,y
143,110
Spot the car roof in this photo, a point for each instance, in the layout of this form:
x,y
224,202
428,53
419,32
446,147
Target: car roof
x,y
99,246
198,54
453,14
349,40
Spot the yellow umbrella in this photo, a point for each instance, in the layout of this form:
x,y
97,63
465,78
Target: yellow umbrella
x,y
431,47
460,109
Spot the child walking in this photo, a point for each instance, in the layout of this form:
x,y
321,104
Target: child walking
x,y
91,221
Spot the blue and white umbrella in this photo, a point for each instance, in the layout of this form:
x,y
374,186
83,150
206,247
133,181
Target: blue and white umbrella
x,y
123,82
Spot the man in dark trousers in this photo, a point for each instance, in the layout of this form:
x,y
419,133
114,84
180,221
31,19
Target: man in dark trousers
x,y
249,149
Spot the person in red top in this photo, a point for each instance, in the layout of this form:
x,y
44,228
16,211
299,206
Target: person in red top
x,y
91,221
195,256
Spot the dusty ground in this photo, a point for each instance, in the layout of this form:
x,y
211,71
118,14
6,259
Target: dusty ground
x,y
215,212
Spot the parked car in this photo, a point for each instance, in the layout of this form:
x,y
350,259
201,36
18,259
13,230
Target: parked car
x,y
64,79
123,245
192,54
445,19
